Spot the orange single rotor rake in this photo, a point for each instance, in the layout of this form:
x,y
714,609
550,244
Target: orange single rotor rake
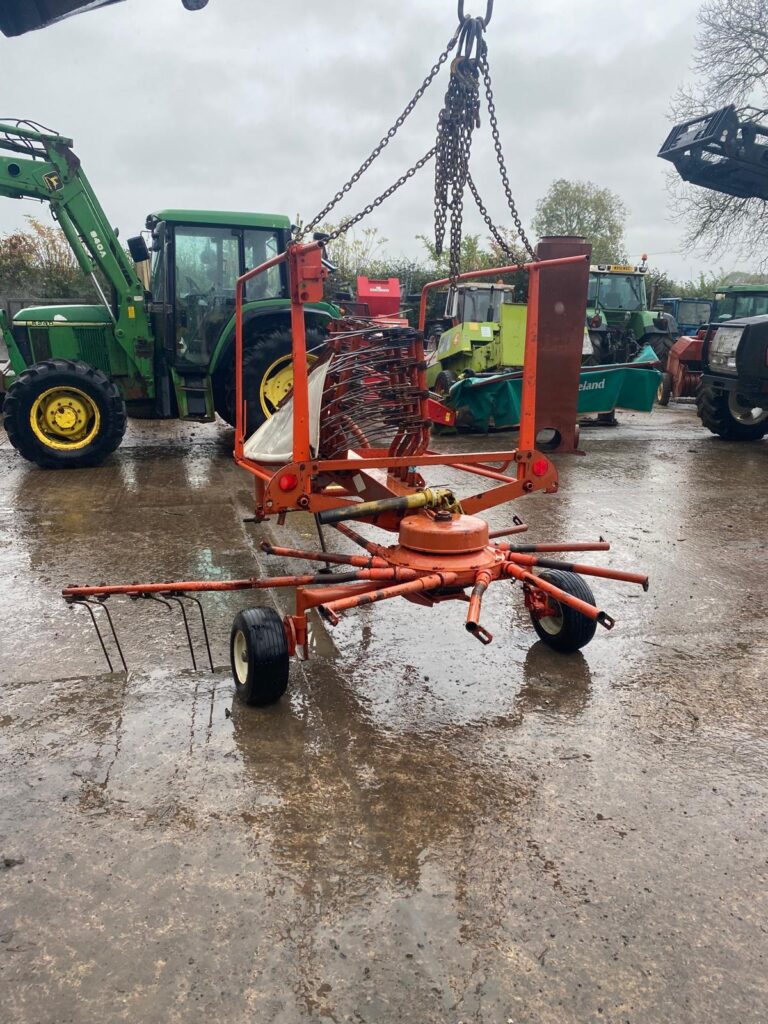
x,y
351,443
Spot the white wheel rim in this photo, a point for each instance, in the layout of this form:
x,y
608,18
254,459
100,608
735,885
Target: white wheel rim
x,y
745,412
240,657
552,624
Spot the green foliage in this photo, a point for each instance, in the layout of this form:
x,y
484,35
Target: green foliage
x,y
582,208
38,263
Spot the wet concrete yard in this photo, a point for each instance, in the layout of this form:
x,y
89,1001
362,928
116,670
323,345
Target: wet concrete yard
x,y
425,829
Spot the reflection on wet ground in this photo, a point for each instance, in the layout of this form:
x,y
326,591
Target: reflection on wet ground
x,y
426,829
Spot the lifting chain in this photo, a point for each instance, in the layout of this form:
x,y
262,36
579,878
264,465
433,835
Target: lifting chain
x,y
486,73
320,217
457,121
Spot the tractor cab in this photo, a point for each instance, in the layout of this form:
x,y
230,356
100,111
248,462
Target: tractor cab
x,y
688,314
487,333
479,303
740,301
197,259
618,319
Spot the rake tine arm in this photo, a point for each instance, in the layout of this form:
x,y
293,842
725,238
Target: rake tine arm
x,y
325,556
357,538
482,581
588,610
429,582
528,549
583,570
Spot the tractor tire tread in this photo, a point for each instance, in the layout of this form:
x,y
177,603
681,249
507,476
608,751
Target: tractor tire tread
x,y
577,629
262,350
268,669
712,407
23,392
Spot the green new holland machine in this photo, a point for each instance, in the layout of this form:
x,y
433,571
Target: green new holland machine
x,y
161,345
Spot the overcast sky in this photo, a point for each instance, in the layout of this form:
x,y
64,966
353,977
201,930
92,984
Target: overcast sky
x,y
265,106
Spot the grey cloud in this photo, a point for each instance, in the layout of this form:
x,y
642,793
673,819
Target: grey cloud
x,y
257,105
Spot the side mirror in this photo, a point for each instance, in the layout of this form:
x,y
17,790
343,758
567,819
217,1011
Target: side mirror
x,y
137,247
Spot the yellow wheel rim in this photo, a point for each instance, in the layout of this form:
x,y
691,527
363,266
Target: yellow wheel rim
x,y
65,419
277,383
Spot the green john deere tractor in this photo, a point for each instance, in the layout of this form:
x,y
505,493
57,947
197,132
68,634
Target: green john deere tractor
x,y
161,343
618,318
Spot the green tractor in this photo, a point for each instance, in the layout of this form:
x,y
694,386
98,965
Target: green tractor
x,y
619,321
487,333
161,343
740,300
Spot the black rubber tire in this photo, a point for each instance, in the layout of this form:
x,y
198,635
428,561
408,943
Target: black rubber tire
x,y
260,661
715,414
664,393
575,630
258,357
661,345
52,372
444,382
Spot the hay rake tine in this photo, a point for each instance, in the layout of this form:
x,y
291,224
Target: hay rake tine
x,y
195,600
90,605
167,603
179,602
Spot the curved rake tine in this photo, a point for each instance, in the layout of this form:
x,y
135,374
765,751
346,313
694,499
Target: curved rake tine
x,y
178,601
87,606
104,608
167,603
196,601
90,604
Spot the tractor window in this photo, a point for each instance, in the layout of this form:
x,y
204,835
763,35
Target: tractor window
x,y
482,305
618,291
260,246
750,305
693,313
207,266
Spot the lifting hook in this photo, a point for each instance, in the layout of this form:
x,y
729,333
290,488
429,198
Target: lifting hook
x,y
486,20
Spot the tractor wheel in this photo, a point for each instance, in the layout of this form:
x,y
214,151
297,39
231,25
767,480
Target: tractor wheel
x,y
661,344
664,393
444,382
64,414
267,376
564,629
730,415
258,651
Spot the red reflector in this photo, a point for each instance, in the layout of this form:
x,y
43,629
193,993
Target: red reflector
x,y
540,467
596,321
288,482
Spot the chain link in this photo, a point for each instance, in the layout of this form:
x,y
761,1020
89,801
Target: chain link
x,y
320,217
457,121
347,224
486,73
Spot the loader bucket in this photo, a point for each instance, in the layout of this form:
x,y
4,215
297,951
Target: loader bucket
x,y
20,16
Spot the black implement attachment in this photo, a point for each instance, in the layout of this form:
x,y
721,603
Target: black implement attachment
x,y
20,16
726,150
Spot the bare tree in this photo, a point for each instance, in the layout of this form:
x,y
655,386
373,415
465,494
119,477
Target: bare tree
x,y
730,65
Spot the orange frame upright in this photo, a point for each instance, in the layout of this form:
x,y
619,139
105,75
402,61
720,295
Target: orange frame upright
x,y
306,273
